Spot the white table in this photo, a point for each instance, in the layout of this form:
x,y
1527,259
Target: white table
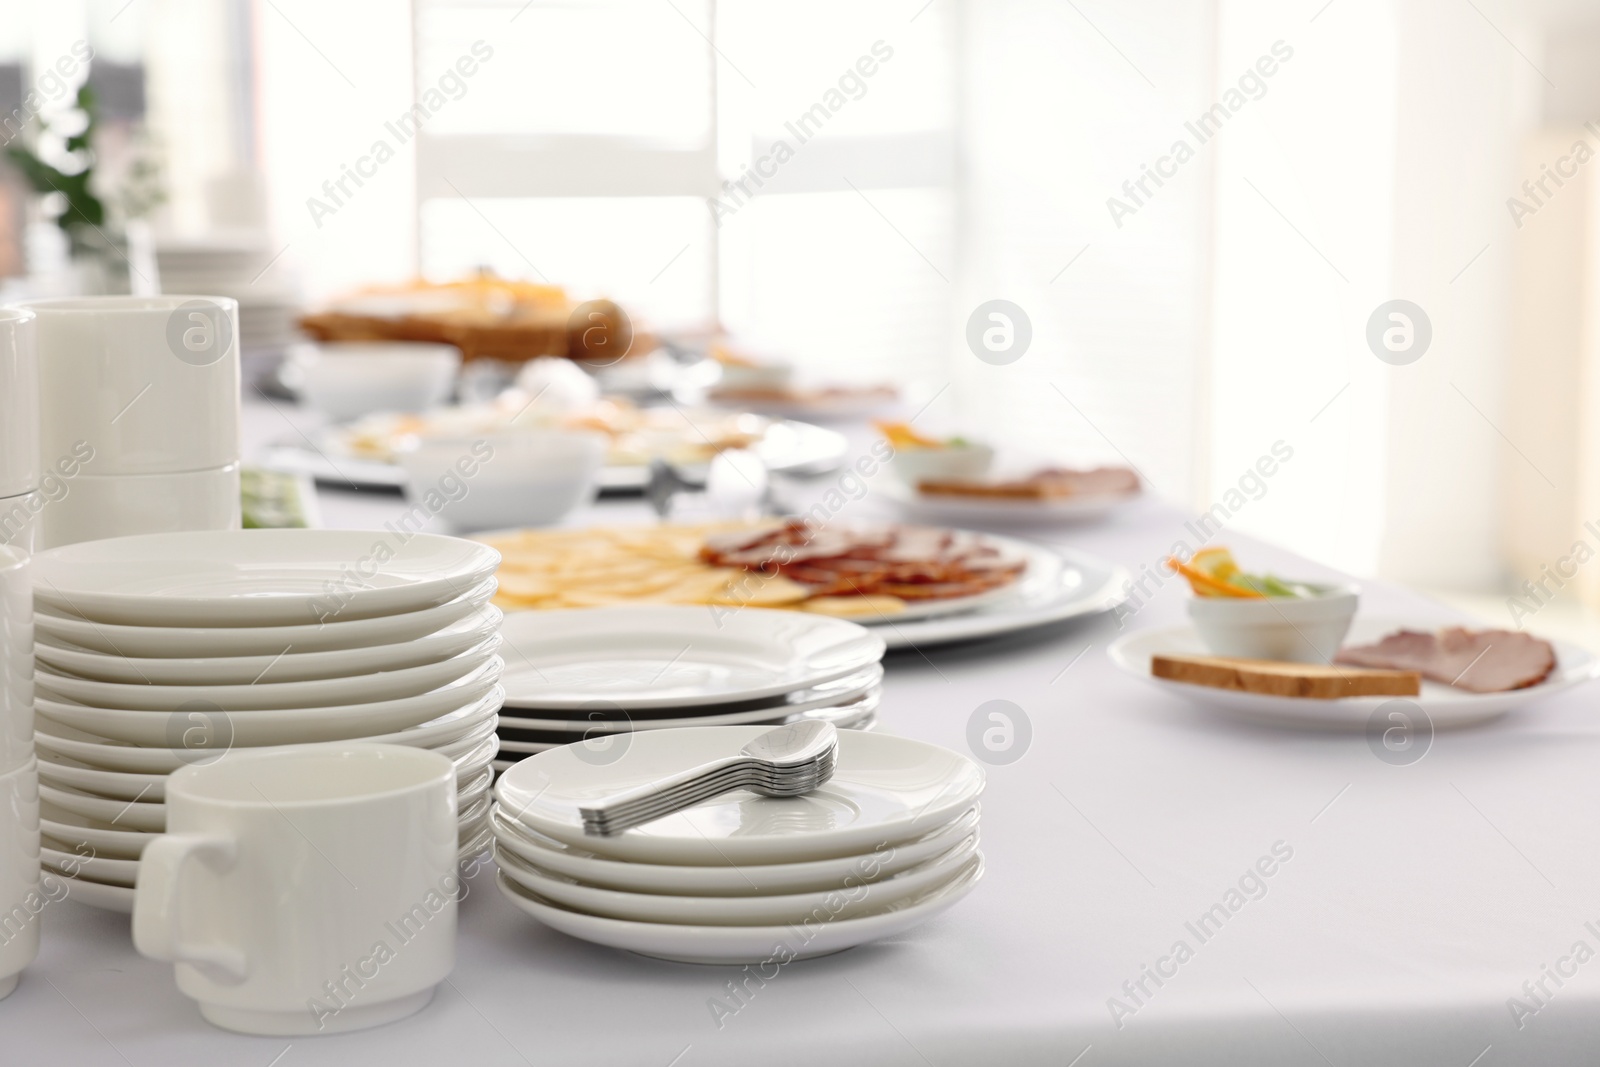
x,y
1418,899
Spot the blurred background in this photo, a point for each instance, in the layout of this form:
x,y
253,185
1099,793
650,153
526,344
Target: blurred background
x,y
1200,206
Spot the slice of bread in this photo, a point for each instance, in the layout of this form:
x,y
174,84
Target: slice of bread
x,y
1314,681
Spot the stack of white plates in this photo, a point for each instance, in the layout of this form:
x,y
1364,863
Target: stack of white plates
x,y
602,672
162,650
233,265
889,841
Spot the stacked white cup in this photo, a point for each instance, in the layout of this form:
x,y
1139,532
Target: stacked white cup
x,y
21,896
20,499
20,504
139,401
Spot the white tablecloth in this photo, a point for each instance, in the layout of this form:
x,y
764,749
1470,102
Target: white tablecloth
x,y
1414,902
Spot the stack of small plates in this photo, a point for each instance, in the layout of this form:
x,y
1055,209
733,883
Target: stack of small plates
x,y
889,841
162,650
599,673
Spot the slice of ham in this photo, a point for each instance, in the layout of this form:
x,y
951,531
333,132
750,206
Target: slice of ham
x,y
1479,661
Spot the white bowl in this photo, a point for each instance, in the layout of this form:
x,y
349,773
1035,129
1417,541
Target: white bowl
x,y
1293,629
963,462
348,380
511,479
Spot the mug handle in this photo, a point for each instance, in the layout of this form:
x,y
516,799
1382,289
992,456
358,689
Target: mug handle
x,y
156,912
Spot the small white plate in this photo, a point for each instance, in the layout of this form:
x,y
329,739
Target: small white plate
x,y
660,656
748,944
257,577
1445,706
836,691
103,869
1003,513
288,726
550,854
189,641
74,829
270,696
884,789
856,717
280,667
472,723
606,722
841,902
97,894
53,770
125,814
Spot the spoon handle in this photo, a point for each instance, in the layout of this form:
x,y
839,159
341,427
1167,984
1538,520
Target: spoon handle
x,y
680,781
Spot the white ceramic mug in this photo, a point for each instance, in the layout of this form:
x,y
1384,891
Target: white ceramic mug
x,y
16,659
19,403
91,507
19,520
151,383
21,897
308,890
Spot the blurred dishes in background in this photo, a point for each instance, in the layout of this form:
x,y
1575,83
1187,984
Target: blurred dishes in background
x,y
518,478
346,380
233,264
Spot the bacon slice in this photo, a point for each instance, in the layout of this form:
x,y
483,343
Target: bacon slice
x,y
1479,661
910,562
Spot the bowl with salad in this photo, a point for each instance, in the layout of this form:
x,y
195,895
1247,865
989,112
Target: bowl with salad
x,y
920,458
1264,616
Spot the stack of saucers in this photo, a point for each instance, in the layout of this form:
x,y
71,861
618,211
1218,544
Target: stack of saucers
x,y
600,673
161,650
889,841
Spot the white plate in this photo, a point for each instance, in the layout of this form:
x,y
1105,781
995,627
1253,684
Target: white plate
x,y
289,726
518,747
747,944
471,723
836,691
103,869
280,667
884,789
607,722
1444,706
270,696
257,577
661,656
857,897
552,855
114,814
97,894
74,829
788,447
991,512
1059,584
188,641
53,770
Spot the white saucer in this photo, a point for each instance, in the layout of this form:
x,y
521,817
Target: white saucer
x,y
1445,706
134,815
103,869
97,894
857,897
668,656
71,828
281,666
747,944
191,641
552,855
256,577
884,789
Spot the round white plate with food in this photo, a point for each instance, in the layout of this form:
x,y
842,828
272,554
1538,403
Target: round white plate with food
x,y
1444,706
1003,512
